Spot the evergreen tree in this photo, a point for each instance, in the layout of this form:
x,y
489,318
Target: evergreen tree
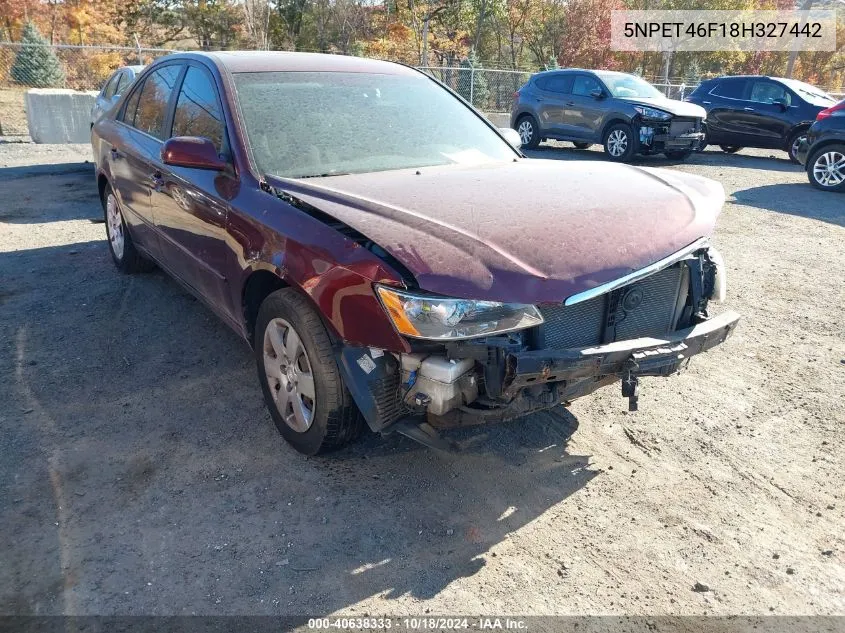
x,y
473,86
36,64
552,64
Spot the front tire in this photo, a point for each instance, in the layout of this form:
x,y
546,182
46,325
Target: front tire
x,y
730,149
620,145
123,252
302,386
794,143
529,131
826,168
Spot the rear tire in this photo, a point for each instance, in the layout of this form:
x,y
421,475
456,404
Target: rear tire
x,y
620,145
678,154
529,131
123,252
302,386
579,145
793,143
819,172
730,149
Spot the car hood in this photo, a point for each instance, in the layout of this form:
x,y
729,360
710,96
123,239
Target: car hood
x,y
678,108
528,231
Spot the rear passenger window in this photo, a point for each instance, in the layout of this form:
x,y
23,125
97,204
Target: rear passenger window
x,y
111,86
198,110
121,85
731,88
560,83
584,85
153,99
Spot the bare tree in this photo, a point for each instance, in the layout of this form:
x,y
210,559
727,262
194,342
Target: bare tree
x,y
257,22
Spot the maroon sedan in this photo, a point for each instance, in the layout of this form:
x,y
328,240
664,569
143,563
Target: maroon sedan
x,y
391,257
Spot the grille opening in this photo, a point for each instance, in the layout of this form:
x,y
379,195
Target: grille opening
x,y
647,307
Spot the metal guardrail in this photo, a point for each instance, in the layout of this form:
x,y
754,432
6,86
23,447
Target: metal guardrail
x,y
24,66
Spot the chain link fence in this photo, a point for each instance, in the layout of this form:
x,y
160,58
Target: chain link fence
x,y
25,66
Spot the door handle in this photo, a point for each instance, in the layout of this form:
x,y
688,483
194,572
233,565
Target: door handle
x,y
707,102
749,109
157,181
539,98
115,154
569,103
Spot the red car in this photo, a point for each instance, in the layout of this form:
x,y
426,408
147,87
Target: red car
x,y
390,256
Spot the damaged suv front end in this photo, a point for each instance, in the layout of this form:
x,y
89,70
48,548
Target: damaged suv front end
x,y
479,361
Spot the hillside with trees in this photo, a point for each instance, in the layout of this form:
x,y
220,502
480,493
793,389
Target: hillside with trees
x,y
512,34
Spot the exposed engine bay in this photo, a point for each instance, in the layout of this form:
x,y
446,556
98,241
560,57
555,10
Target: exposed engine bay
x,y
650,327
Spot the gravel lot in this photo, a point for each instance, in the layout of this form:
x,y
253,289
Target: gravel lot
x,y
142,475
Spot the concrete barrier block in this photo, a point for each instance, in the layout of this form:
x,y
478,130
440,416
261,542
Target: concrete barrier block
x,y
499,119
57,115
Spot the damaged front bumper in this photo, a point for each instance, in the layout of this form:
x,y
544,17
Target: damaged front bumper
x,y
627,360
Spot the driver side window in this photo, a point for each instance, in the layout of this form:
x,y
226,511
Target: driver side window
x,y
769,92
198,110
584,85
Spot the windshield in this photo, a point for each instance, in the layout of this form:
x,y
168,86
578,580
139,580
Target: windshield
x,y
621,85
809,93
307,124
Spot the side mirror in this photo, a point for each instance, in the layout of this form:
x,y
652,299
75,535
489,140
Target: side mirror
x,y
511,136
597,94
782,103
192,151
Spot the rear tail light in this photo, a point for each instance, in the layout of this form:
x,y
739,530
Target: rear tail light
x,y
516,95
839,107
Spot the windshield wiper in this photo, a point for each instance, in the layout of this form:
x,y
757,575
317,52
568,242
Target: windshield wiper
x,y
334,173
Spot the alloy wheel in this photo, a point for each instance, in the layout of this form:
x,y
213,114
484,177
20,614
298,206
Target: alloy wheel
x,y
829,169
526,131
115,226
289,374
793,151
617,143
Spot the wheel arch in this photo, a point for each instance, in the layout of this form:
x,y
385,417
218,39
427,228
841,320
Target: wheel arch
x,y
821,145
259,284
804,126
613,120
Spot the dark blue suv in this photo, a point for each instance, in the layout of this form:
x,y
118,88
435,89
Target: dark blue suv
x,y
757,111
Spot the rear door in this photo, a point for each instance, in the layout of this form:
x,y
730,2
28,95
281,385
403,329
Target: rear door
x,y
105,99
583,113
137,148
724,105
191,205
552,91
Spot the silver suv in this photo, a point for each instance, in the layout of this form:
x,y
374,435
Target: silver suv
x,y
623,112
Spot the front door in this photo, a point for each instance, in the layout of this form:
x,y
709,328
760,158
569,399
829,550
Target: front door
x,y
766,114
583,113
190,205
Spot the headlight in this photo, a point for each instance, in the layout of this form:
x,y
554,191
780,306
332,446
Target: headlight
x,y
652,113
720,284
429,317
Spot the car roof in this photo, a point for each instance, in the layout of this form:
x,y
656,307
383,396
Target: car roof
x,y
275,61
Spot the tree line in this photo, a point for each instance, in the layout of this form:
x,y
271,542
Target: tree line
x,y
513,34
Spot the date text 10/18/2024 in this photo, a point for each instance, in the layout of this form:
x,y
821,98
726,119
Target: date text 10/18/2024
x,y
481,623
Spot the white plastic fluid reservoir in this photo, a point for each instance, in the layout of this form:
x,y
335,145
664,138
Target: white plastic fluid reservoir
x,y
441,369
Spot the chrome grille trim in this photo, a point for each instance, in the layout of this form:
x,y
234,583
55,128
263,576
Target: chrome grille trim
x,y
637,274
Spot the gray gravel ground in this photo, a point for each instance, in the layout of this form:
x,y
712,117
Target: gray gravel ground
x,y
141,474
